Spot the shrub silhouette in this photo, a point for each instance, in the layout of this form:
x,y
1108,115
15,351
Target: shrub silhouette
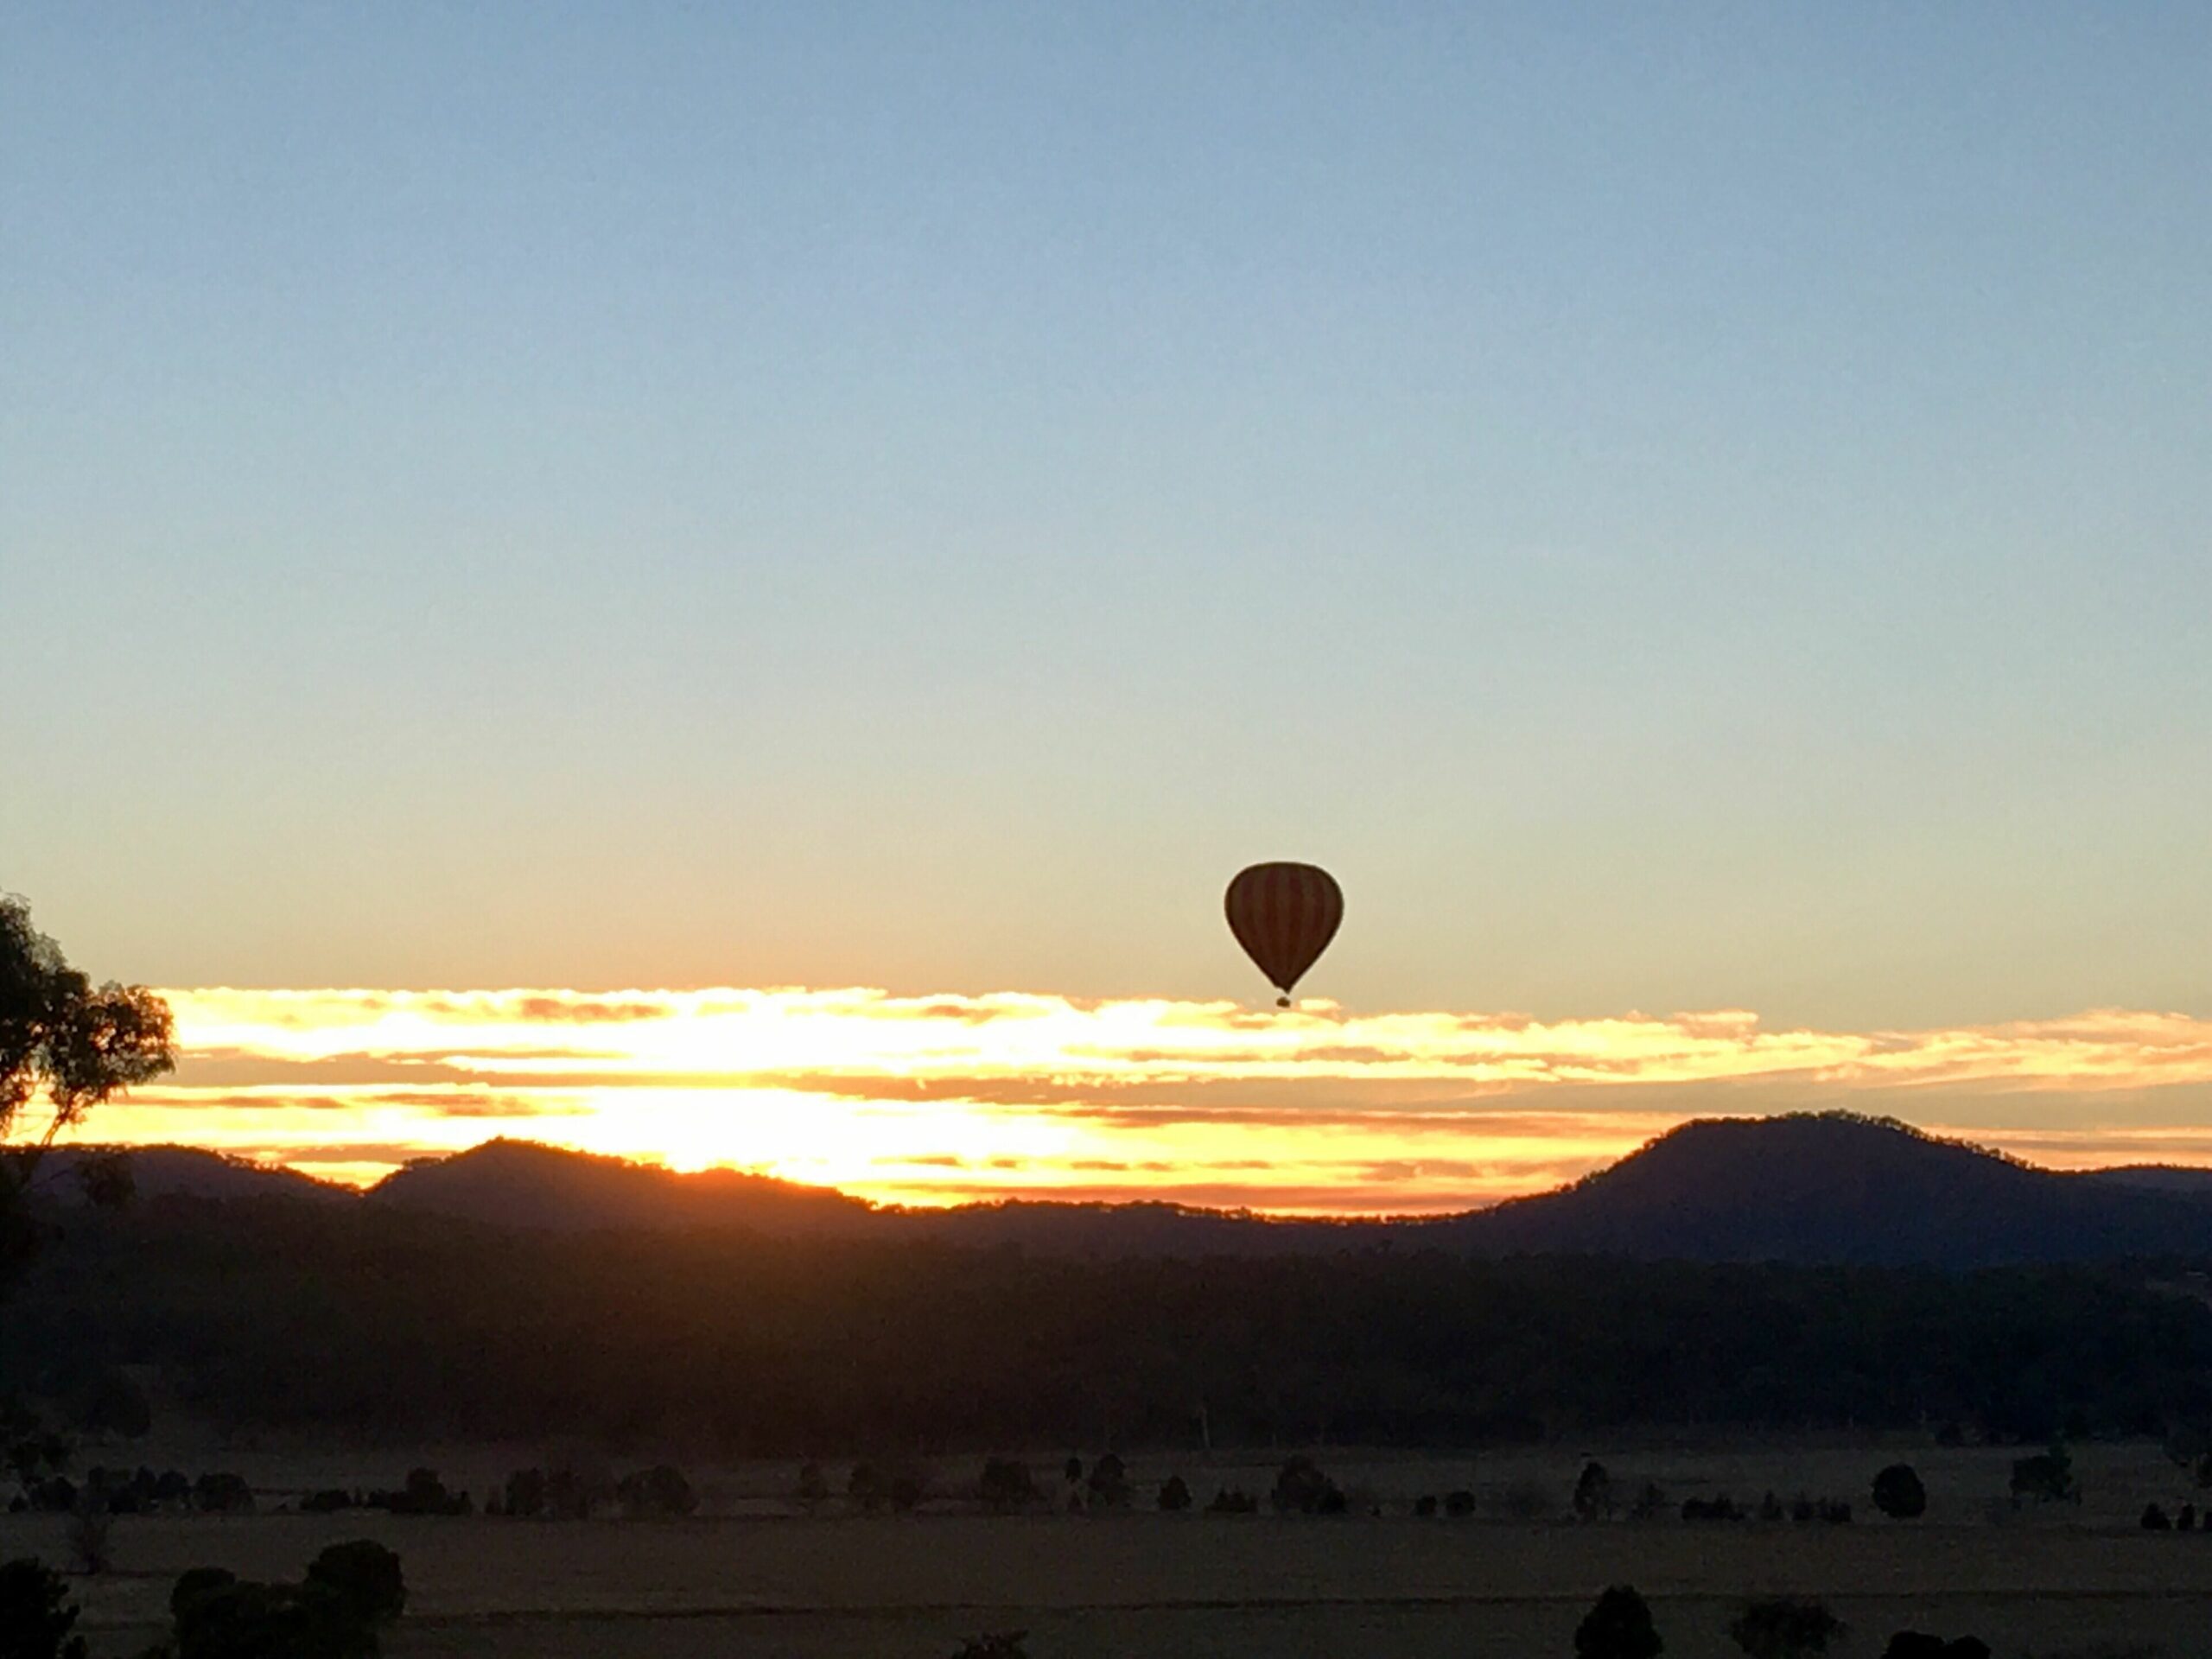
x,y
1233,1500
1109,1483
1619,1627
2047,1477
1459,1504
2155,1519
1898,1493
350,1591
1300,1488
1002,1644
1175,1495
37,1614
1783,1629
196,1581
1425,1505
364,1576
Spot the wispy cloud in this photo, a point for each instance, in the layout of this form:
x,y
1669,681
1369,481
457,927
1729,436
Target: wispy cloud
x,y
943,1097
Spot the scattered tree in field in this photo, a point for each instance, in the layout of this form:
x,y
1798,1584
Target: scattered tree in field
x,y
1006,1484
366,1576
1175,1495
1425,1505
1459,1503
1110,1483
37,1614
1770,1509
2155,1519
1785,1629
1651,1503
1593,1493
1000,1644
2047,1477
1619,1627
1300,1488
1898,1493
422,1494
350,1592
2186,1520
1233,1500
907,1490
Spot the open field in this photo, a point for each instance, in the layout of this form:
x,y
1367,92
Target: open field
x,y
746,1580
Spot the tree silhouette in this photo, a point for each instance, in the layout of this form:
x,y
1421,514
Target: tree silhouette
x,y
1782,1629
76,1043
60,1035
37,1614
1619,1627
1898,1493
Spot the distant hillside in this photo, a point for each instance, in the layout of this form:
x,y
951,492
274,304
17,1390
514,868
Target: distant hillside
x,y
1828,1189
185,1172
1837,1188
2157,1178
524,1184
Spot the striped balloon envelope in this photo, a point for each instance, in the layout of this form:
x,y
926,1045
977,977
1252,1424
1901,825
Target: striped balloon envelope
x,y
1284,915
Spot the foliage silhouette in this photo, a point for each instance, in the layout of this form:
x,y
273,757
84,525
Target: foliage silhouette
x,y
1784,1628
1619,1627
36,1615
1898,1492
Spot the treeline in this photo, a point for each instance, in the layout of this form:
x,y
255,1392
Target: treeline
x,y
268,1313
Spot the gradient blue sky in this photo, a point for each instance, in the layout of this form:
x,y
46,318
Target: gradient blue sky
x,y
1680,507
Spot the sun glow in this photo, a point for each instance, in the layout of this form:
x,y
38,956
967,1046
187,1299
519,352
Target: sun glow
x,y
945,1098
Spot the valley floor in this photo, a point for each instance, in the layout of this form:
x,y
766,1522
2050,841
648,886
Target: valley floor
x,y
745,1581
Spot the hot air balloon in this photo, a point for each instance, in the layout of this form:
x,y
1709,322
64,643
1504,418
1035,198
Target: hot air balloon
x,y
1284,915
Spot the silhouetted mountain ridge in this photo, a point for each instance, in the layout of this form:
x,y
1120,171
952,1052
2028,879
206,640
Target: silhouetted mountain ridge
x,y
524,1184
1811,1189
1835,1187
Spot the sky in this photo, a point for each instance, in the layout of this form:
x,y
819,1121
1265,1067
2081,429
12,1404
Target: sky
x,y
1690,513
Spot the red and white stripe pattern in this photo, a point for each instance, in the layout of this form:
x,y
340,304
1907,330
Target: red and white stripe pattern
x,y
1284,915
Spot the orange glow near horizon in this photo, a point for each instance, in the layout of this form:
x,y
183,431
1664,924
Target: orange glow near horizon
x,y
942,1099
